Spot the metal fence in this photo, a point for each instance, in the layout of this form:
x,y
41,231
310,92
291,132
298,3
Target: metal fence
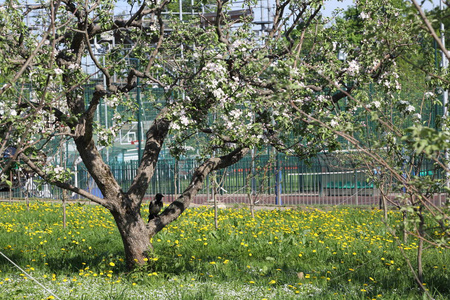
x,y
268,179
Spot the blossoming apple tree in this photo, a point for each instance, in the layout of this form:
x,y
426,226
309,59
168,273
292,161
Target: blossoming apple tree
x,y
228,88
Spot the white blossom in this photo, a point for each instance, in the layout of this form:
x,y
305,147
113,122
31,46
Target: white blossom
x,y
184,120
353,68
175,126
364,15
58,71
73,66
417,116
235,113
218,93
216,68
428,95
410,108
112,101
58,169
322,98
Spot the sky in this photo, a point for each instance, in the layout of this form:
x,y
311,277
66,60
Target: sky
x,y
331,5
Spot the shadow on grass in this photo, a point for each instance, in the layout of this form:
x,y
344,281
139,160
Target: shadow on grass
x,y
70,262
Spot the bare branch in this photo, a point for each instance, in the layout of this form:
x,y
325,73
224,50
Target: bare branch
x,y
63,185
430,29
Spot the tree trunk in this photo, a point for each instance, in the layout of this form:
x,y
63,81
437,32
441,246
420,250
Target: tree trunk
x,y
135,236
136,233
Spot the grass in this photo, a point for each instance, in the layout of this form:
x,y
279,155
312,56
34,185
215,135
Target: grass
x,y
336,253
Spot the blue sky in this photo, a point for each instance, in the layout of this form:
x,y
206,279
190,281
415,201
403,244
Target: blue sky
x,y
331,5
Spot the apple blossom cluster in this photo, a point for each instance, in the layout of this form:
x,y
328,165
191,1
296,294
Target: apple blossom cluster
x,y
105,136
57,173
429,95
406,107
7,110
353,68
182,120
112,101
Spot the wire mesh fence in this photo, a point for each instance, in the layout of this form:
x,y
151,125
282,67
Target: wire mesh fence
x,y
263,180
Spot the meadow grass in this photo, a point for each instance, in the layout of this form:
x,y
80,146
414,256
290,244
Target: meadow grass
x,y
333,253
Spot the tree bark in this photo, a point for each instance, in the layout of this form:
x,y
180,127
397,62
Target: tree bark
x,y
135,236
136,233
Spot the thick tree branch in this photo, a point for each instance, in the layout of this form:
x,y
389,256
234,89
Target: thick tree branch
x,y
176,208
153,144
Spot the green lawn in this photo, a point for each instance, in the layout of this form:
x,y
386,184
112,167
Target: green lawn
x,y
335,253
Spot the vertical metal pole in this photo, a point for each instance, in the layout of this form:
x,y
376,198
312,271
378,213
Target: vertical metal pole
x,y
139,134
10,187
180,3
278,174
175,179
253,186
253,173
106,108
64,191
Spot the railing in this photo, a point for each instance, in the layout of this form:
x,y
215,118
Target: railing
x,y
269,180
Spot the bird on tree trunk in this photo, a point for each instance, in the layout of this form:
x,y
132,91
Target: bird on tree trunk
x,y
155,206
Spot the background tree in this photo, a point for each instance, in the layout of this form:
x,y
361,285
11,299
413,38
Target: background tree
x,y
399,130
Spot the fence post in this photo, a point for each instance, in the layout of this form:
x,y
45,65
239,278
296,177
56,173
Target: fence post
x,y
176,178
278,174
